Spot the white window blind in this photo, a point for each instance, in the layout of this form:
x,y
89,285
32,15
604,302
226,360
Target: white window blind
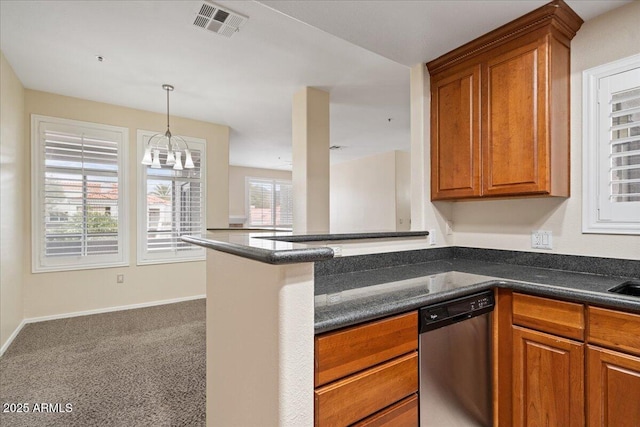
x,y
79,213
270,202
624,143
171,204
612,153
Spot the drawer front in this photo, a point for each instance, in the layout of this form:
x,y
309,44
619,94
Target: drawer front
x,y
402,414
344,352
360,395
565,319
614,329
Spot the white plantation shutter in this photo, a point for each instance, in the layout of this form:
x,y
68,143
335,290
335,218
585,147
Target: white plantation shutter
x,y
611,147
619,171
284,194
171,204
270,202
79,214
261,202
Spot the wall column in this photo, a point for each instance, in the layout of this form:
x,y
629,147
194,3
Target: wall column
x,y
310,118
420,159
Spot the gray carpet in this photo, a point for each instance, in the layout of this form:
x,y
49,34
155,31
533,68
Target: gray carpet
x,y
143,367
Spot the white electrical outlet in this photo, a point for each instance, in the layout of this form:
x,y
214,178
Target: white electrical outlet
x,y
541,239
120,278
432,236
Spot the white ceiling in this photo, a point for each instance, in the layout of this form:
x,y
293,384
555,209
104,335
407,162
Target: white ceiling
x,y
359,51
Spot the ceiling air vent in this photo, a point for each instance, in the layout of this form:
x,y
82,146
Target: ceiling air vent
x,y
217,19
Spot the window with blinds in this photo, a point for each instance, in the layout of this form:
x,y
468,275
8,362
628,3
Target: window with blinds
x,y
612,153
269,202
624,142
78,198
171,205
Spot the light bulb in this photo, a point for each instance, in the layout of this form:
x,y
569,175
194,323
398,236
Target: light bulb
x,y
171,159
178,165
188,161
156,159
146,160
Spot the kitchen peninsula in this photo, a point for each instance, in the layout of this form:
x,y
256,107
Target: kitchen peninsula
x,y
267,299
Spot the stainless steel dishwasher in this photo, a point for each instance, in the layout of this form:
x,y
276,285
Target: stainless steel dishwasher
x,y
455,365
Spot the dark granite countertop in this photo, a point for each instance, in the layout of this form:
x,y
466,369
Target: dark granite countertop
x,y
277,247
354,297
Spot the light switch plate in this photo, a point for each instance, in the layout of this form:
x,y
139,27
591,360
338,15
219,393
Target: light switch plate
x,y
432,236
542,239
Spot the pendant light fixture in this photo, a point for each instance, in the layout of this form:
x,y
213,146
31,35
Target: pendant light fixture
x,y
167,145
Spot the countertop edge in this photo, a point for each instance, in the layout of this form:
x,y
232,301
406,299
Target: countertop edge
x,y
293,238
569,294
268,256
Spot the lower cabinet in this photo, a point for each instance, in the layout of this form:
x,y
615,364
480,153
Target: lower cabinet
x,y
566,364
548,378
356,397
367,375
402,414
613,388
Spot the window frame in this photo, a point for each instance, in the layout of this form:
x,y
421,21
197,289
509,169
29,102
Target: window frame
x,y
143,256
273,181
39,262
591,158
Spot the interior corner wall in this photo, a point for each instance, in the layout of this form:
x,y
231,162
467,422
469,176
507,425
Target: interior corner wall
x,y
363,194
66,292
403,190
425,215
237,190
507,224
12,198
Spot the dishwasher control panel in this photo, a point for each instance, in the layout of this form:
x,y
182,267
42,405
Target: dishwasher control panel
x,y
456,310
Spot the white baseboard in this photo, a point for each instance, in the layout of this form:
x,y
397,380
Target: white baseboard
x,y
89,312
13,336
110,309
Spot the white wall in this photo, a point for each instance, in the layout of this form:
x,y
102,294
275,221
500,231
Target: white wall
x,y
403,191
237,190
50,294
425,214
507,224
365,193
12,198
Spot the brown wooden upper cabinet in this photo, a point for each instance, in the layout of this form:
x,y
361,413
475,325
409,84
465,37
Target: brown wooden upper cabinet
x,y
500,110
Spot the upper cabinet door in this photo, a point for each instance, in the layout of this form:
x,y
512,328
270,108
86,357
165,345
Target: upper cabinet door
x,y
455,135
515,146
522,110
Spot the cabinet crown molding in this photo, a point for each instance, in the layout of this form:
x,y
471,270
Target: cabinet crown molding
x,y
555,16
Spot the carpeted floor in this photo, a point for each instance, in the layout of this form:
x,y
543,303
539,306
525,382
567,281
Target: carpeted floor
x,y
143,367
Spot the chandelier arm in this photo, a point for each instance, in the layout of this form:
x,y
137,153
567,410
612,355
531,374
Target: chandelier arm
x,y
181,139
151,143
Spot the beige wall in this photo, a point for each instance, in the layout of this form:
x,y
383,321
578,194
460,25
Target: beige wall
x,y
237,191
403,191
367,195
12,198
310,154
507,224
48,294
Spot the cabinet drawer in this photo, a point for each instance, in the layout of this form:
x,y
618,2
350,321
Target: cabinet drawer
x,y
344,352
402,414
360,395
614,329
555,317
